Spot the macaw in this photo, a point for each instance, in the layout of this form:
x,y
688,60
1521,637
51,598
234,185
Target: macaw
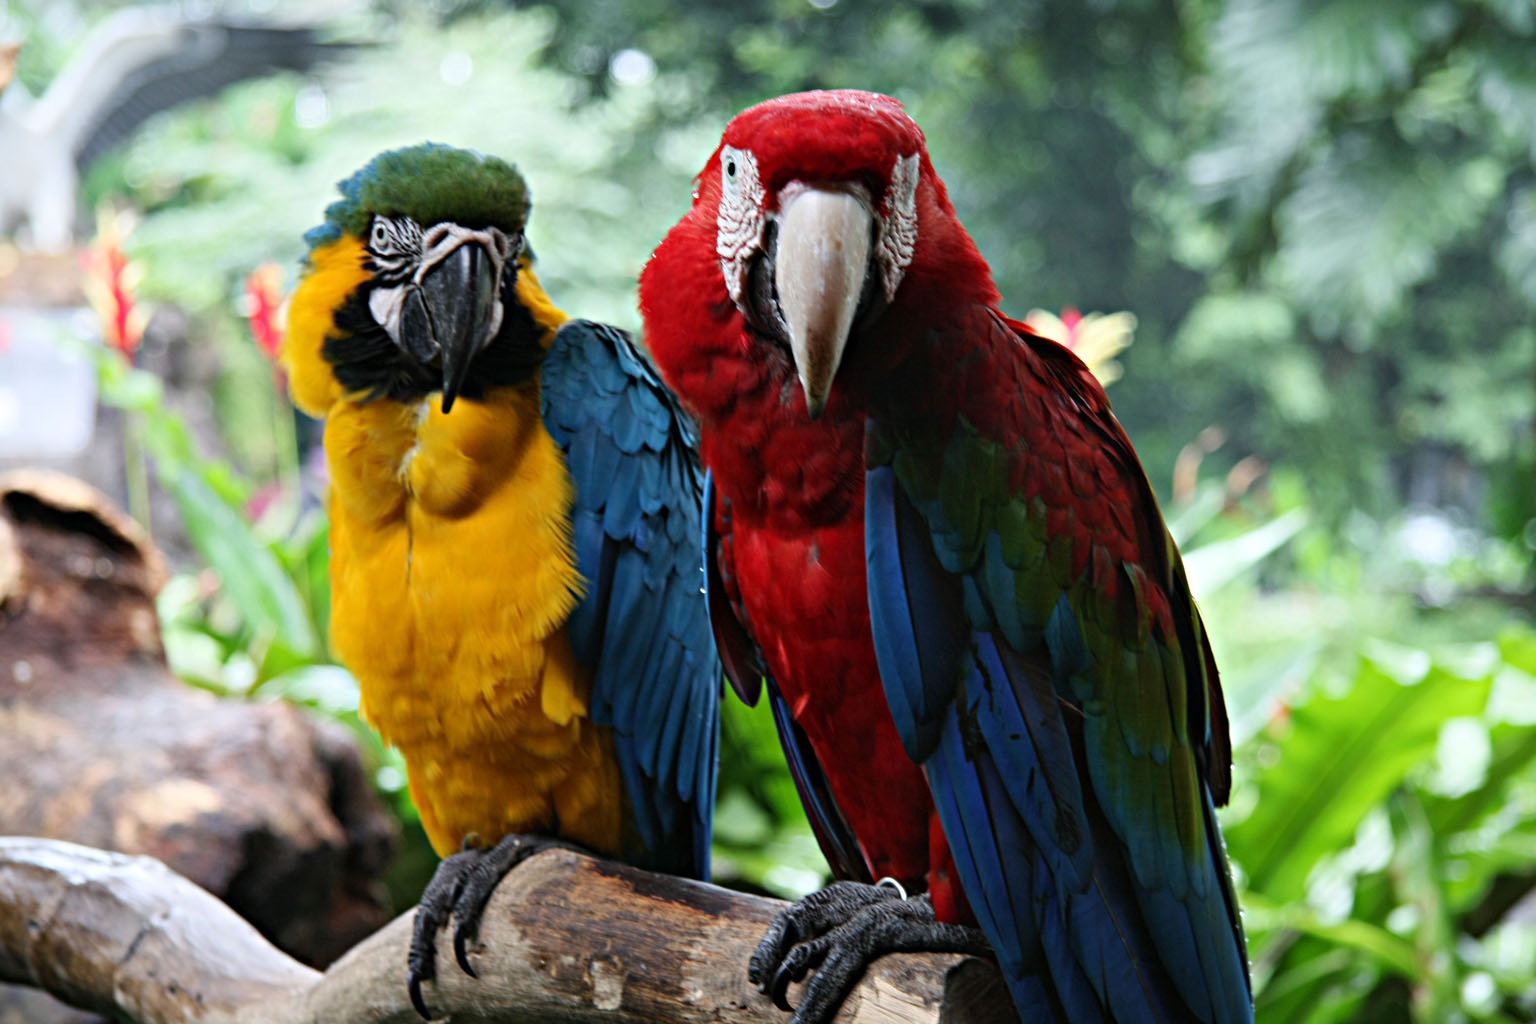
x,y
515,523
930,534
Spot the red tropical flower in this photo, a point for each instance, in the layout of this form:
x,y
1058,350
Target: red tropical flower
x,y
111,280
264,308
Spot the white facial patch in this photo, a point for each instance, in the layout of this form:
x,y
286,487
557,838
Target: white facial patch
x,y
898,225
743,212
385,305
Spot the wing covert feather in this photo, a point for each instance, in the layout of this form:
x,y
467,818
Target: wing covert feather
x,y
640,627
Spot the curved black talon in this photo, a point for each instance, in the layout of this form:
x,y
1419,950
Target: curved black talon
x,y
779,938
438,900
460,951
806,919
414,986
779,990
460,888
838,932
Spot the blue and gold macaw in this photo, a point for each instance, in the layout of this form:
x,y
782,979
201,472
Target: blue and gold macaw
x,y
515,526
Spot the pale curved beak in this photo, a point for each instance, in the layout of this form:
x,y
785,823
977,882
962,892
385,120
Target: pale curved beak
x,y
823,251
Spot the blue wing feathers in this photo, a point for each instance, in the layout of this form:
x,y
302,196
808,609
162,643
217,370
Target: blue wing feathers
x,y
688,768
1064,639
1030,733
1071,843
901,667
668,721
622,508
990,865
913,614
641,625
585,625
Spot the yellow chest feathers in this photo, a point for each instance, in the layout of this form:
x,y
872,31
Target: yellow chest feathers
x,y
451,566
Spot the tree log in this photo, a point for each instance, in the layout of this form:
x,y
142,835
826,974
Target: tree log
x,y
565,939
101,745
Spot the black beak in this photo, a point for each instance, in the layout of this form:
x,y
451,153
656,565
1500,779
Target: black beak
x,y
452,310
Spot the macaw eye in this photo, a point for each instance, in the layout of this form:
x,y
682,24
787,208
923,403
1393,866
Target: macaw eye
x,y
379,239
738,170
741,217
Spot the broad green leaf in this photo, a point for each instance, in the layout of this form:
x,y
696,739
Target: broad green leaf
x,y
1186,520
1480,859
1213,566
1341,756
1518,647
1514,754
328,688
741,822
790,864
194,656
248,571
1418,873
1387,950
1326,989
127,388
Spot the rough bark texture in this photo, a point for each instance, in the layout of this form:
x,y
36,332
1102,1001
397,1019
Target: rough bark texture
x,y
565,939
100,745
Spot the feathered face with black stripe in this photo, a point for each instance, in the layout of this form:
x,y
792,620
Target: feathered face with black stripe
x,y
442,233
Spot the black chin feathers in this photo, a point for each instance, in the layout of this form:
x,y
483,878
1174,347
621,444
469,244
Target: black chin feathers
x,y
761,298
367,362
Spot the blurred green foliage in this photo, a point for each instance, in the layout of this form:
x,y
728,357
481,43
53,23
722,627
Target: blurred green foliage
x,y
1324,217
1378,829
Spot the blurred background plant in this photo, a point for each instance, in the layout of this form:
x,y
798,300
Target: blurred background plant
x,y
1324,219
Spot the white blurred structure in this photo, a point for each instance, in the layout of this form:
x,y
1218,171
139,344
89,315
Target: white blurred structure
x,y
47,390
136,63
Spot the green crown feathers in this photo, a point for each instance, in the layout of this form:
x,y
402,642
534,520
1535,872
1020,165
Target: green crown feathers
x,y
429,183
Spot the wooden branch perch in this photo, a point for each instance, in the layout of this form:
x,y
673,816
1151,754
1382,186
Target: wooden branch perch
x,y
101,745
565,938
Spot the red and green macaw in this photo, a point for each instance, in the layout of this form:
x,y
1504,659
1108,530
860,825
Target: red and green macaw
x,y
930,534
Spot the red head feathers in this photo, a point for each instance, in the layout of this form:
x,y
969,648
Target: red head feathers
x,y
819,220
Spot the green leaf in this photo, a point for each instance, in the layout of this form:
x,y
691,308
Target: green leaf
x,y
741,822
1368,223
1514,753
1478,860
1186,520
194,656
1215,565
1518,647
127,388
1341,756
1418,874
1257,322
1389,951
1323,990
327,688
248,570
